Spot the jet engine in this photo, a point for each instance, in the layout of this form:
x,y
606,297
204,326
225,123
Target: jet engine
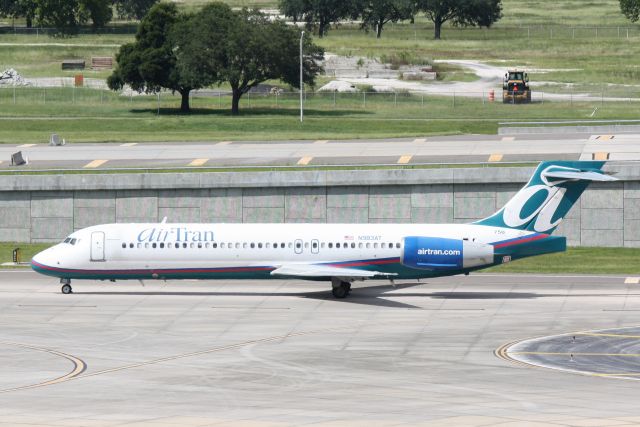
x,y
438,253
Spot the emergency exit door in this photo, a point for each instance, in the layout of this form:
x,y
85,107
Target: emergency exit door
x,y
97,246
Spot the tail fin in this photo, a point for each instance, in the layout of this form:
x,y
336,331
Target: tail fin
x,y
548,196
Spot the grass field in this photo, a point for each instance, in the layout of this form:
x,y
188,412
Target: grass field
x,y
548,43
96,116
575,260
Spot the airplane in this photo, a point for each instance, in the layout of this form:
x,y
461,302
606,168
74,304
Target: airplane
x,y
336,253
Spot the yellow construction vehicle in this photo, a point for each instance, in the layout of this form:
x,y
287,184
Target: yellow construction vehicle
x,y
515,87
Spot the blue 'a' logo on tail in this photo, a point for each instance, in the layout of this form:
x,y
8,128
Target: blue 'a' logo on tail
x,y
548,196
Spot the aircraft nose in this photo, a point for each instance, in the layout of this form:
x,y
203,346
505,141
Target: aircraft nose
x,y
40,259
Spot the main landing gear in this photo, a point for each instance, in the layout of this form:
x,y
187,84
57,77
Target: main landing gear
x,y
340,289
66,286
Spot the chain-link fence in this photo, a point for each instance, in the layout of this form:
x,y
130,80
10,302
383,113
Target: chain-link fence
x,y
22,98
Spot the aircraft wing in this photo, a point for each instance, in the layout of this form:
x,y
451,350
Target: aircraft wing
x,y
315,270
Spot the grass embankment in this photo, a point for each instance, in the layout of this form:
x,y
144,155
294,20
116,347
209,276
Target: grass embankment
x,y
575,260
27,251
578,261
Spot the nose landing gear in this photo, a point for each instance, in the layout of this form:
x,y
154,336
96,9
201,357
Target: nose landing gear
x,y
66,286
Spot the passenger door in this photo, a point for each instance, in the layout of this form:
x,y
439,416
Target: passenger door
x,y
97,246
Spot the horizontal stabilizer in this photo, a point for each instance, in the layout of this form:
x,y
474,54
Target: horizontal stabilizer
x,y
584,176
314,270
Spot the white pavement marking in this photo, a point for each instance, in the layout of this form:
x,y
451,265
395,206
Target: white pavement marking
x,y
404,160
198,162
26,145
95,164
224,142
420,140
305,161
632,281
508,138
129,144
321,141
495,158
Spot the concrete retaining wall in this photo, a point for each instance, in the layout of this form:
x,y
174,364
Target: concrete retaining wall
x,y
44,208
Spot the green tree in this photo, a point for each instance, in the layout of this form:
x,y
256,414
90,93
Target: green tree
x,y
482,13
99,11
630,9
318,13
149,64
244,49
63,15
376,13
134,9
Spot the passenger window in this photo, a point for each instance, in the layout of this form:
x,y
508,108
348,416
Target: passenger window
x,y
192,245
306,245
398,245
353,245
314,245
124,245
322,245
368,245
214,246
267,245
155,245
244,245
290,245
253,245
184,245
199,245
146,246
222,245
282,245
139,245
375,246
161,245
346,246
338,245
238,245
359,245
130,245
298,245
330,245
259,245
382,245
275,245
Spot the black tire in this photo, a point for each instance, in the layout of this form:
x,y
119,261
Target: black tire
x,y
66,289
340,292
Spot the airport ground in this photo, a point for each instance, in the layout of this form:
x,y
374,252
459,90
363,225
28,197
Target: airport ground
x,y
282,353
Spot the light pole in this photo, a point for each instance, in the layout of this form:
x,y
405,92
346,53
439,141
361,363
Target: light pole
x,y
301,81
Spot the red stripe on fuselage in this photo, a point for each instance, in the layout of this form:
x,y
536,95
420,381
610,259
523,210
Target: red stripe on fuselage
x,y
520,241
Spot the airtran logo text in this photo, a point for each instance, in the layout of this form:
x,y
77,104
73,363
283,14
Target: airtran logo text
x,y
428,251
175,234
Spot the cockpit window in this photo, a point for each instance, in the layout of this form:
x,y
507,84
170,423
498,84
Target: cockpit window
x,y
67,240
73,241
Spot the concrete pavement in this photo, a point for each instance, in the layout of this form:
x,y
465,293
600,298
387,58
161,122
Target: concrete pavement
x,y
284,353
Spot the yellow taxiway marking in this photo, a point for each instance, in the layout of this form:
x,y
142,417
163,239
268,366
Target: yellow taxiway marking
x,y
508,138
305,161
26,145
321,141
129,144
632,281
95,163
198,162
605,137
601,156
403,160
419,140
224,142
495,158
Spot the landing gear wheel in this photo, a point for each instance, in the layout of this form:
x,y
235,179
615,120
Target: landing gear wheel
x,y
342,290
66,289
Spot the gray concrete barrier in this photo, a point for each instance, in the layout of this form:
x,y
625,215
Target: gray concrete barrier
x,y
46,208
